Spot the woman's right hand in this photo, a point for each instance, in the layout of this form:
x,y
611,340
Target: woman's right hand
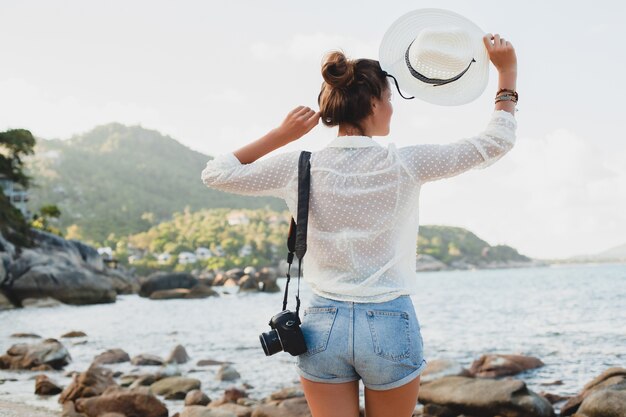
x,y
501,53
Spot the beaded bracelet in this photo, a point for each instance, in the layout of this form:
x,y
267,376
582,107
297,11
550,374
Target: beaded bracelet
x,y
506,90
506,97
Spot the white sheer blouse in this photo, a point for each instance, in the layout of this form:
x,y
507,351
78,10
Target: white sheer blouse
x,y
363,208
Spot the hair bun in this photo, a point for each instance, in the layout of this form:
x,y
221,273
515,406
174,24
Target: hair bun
x,y
337,70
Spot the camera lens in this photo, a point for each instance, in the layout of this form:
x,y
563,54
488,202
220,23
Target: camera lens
x,y
270,342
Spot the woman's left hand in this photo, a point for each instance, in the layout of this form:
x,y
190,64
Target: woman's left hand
x,y
298,122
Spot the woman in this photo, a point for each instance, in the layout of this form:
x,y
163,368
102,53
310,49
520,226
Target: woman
x,y
363,223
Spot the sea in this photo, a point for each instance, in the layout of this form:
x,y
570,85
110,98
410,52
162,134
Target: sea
x,y
572,317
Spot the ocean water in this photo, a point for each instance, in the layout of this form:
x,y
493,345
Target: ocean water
x,y
571,317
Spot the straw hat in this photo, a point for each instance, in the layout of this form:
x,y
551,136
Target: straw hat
x,y
436,55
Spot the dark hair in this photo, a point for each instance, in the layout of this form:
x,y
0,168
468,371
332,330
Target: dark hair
x,y
348,88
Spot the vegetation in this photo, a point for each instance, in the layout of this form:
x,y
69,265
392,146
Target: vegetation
x,y
123,180
14,145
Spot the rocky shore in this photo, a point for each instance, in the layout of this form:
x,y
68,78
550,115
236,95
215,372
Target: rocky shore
x,y
486,389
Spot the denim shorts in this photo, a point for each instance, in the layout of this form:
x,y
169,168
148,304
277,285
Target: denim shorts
x,y
346,341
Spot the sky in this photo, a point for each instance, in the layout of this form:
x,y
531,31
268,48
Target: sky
x,y
218,75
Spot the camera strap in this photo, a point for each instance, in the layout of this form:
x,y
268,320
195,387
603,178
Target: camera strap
x,y
296,241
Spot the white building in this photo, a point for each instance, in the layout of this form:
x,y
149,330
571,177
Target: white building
x,y
203,253
237,217
16,194
245,250
106,252
164,258
187,258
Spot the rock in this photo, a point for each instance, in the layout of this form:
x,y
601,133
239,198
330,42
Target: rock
x,y
74,333
26,335
424,262
143,381
438,368
210,362
483,396
201,291
93,382
166,281
69,410
604,403
128,403
248,283
178,355
231,282
553,398
236,409
196,397
112,415
293,407
285,393
495,365
48,353
173,294
227,373
146,360
168,370
41,302
175,388
234,394
5,303
122,281
44,386
66,270
200,411
111,356
269,285
612,378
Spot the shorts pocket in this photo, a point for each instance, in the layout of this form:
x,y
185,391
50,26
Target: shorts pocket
x,y
316,326
390,332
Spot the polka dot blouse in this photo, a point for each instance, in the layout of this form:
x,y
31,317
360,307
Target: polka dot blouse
x,y
363,208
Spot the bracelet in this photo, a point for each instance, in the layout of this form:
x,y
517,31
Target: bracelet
x,y
506,97
506,90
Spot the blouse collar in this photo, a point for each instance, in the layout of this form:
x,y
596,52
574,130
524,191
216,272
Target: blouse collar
x,y
352,142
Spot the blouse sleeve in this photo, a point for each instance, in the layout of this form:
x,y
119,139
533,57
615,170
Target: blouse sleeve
x,y
263,177
430,162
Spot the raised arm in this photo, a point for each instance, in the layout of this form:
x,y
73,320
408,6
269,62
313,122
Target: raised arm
x,y
431,162
240,172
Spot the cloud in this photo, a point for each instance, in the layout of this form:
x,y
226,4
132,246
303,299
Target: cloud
x,y
312,47
555,196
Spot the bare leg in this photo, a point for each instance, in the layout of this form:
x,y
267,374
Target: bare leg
x,y
332,400
396,402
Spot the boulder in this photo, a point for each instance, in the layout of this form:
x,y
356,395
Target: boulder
x,y
293,407
48,354
40,302
236,409
289,392
200,411
196,397
227,373
175,387
74,333
201,291
26,335
166,281
143,381
122,281
128,403
248,283
483,396
438,368
44,386
93,382
111,356
146,360
495,365
178,355
211,362
173,294
5,303
234,394
604,403
613,378
269,285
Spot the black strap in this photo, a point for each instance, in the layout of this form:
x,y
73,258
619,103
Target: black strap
x,y
296,241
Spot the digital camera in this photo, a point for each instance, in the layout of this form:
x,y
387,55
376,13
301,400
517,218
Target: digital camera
x,y
285,335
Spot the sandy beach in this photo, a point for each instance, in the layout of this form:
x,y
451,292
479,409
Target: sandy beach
x,y
8,409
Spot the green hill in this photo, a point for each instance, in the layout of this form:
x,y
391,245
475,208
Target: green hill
x,y
123,180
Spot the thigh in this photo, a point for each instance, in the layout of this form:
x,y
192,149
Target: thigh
x,y
396,402
332,400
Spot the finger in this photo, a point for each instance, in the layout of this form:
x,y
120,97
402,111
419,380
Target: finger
x,y
496,40
294,111
487,41
304,110
314,117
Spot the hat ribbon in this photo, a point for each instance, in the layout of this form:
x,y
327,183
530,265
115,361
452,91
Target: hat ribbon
x,y
434,81
397,86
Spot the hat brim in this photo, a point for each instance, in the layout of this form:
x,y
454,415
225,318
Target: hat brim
x,y
405,29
